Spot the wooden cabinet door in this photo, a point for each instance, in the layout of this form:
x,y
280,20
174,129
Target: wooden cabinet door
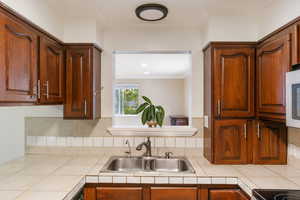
x,y
52,72
230,141
174,193
78,83
273,61
227,194
234,82
270,143
18,61
117,193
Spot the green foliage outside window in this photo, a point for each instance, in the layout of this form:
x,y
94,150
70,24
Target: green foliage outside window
x,y
127,100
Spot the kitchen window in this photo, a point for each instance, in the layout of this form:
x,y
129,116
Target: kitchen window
x,y
126,99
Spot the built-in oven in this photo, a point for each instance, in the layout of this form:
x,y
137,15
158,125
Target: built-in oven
x,y
293,98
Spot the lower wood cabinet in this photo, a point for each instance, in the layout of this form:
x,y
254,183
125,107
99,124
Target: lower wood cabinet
x,y
230,141
226,194
173,193
115,193
242,141
270,143
163,192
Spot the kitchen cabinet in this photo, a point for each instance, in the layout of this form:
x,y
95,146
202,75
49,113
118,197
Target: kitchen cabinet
x,y
174,193
230,136
269,143
226,194
18,61
274,59
229,86
83,82
163,192
230,141
233,72
52,72
114,193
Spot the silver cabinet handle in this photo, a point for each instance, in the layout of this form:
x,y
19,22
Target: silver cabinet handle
x,y
245,131
219,107
47,89
85,107
39,89
258,131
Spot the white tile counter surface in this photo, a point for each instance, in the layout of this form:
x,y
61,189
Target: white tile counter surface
x,y
58,173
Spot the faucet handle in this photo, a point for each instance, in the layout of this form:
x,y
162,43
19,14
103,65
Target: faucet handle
x,y
168,155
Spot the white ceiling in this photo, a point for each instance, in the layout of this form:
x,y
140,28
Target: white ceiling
x,y
152,66
183,13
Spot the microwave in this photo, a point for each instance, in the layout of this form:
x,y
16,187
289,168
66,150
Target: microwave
x,y
293,99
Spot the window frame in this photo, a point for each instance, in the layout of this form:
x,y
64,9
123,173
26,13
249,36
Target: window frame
x,y
119,86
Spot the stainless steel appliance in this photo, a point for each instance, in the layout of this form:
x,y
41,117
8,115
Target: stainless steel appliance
x,y
293,98
270,194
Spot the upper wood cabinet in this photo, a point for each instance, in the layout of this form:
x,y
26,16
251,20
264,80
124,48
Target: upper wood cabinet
x,y
52,72
233,74
83,82
274,59
174,193
18,61
230,141
269,143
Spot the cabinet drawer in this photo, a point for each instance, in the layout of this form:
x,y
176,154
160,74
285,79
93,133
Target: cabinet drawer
x,y
117,193
173,193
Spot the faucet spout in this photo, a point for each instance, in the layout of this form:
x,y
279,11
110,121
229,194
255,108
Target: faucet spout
x,y
147,145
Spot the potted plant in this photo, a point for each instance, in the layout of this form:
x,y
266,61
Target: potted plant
x,y
151,115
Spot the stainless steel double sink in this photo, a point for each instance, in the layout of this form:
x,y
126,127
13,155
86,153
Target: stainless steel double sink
x,y
148,164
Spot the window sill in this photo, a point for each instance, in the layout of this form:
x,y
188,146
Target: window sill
x,y
145,131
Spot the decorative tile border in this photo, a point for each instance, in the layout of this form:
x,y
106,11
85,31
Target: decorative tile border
x,y
178,142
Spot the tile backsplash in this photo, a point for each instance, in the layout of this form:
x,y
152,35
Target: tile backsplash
x,y
56,132
63,141
49,126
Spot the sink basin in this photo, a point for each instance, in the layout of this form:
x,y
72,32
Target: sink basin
x,y
148,164
169,165
126,164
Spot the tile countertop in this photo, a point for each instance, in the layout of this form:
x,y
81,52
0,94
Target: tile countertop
x,y
58,177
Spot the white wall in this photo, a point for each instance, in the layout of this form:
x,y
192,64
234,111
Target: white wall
x,y
168,93
40,13
277,14
80,30
12,134
231,28
152,38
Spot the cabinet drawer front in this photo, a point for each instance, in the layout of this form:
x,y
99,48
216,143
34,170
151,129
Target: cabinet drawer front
x,y
173,193
117,193
226,194
234,82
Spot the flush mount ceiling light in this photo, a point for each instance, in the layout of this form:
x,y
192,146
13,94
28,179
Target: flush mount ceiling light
x,y
151,12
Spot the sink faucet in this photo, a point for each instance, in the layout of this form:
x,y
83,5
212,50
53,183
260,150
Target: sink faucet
x,y
147,144
129,148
